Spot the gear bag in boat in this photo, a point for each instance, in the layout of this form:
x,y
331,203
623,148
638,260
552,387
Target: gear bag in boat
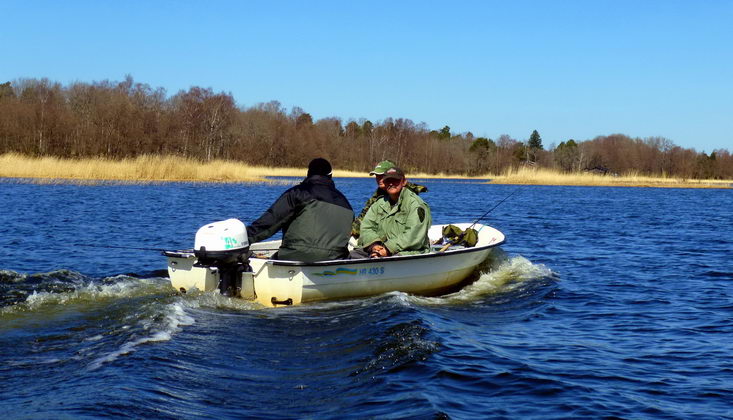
x,y
456,236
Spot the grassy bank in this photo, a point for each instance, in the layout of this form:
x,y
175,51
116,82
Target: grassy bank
x,y
153,169
140,169
532,176
167,168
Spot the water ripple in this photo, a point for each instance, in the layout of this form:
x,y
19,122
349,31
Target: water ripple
x,y
611,303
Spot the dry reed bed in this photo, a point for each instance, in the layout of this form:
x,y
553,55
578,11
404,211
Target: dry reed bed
x,y
528,176
153,169
171,169
140,169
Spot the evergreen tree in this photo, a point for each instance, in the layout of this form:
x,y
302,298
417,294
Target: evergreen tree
x,y
533,145
535,141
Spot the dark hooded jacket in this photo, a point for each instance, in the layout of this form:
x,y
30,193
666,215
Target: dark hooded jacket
x,y
315,219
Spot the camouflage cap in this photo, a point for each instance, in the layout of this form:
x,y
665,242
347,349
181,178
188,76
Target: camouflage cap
x,y
394,173
382,167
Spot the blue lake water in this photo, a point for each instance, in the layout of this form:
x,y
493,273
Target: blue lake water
x,y
609,303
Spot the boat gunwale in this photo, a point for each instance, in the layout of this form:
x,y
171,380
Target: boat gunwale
x,y
377,260
357,261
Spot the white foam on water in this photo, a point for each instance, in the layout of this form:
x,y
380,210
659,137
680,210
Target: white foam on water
x,y
95,338
508,275
214,299
399,298
87,292
174,318
396,297
127,348
26,361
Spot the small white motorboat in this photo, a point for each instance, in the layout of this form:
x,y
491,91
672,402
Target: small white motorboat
x,y
234,267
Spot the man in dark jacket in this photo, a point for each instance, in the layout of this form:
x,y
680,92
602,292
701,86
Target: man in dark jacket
x,y
314,216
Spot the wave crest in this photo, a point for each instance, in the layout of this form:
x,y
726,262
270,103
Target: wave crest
x,y
52,290
501,275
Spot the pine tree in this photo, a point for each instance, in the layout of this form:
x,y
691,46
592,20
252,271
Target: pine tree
x,y
535,141
533,145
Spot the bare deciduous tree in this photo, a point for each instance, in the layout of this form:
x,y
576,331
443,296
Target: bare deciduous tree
x,y
127,119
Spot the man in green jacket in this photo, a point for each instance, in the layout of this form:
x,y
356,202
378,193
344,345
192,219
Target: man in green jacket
x,y
398,222
378,172
314,217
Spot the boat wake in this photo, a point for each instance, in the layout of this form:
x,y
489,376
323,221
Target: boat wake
x,y
497,276
25,293
400,345
215,300
102,319
112,317
168,320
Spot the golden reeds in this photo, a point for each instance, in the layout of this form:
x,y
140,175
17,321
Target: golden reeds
x,y
153,168
537,176
141,169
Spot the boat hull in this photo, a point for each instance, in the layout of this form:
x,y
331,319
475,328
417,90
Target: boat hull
x,y
276,283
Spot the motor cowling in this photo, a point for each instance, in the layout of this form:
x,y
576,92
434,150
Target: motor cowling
x,y
224,245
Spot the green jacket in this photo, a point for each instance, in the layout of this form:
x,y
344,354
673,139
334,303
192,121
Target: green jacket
x,y
403,228
314,217
356,224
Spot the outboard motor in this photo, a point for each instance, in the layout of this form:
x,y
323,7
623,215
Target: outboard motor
x,y
224,245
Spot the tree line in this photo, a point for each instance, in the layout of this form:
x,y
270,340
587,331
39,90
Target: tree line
x,y
126,119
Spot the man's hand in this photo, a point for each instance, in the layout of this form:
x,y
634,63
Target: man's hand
x,y
378,251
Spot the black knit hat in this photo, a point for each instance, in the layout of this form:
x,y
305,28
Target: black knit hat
x,y
319,166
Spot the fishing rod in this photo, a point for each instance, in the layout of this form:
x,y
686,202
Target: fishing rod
x,y
448,245
460,237
492,209
122,247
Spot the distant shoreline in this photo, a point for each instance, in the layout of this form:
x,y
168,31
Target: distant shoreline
x,y
531,176
162,169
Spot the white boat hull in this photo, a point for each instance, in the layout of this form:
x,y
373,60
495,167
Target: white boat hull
x,y
274,282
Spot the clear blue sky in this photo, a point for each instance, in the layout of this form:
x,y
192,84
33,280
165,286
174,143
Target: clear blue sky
x,y
569,69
